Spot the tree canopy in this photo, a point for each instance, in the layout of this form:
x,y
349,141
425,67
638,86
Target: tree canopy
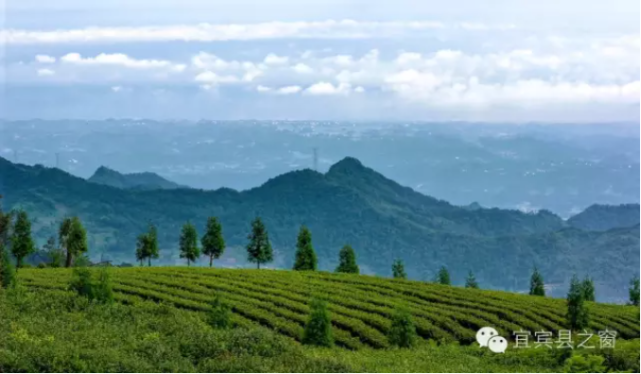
x,y
305,255
259,248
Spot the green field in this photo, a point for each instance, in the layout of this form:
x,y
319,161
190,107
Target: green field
x,y
159,325
361,307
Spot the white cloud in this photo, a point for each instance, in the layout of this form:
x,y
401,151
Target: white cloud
x,y
289,90
330,29
328,89
119,59
45,72
286,90
212,78
301,68
116,88
45,59
272,59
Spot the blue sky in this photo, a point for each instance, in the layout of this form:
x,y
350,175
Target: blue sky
x,y
494,60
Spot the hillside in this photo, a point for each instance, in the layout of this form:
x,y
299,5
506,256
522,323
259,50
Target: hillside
x,y
361,307
46,328
606,217
350,204
141,181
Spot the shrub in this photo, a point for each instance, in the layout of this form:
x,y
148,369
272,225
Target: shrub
x,y
585,364
7,271
219,314
100,291
81,282
318,331
402,334
103,288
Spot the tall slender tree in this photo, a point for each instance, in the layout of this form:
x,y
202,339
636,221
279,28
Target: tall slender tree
x,y
63,238
141,247
5,227
189,244
75,239
21,241
471,282
537,284
259,249
634,292
305,255
578,316
589,292
151,250
398,270
443,277
7,273
213,242
347,261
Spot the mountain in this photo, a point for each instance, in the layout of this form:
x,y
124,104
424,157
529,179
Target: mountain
x,y
350,204
606,217
143,181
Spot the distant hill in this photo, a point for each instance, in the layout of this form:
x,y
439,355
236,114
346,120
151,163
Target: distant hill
x,y
350,204
606,217
140,181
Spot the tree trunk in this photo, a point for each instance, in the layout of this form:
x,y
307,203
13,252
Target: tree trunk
x,y
188,262
258,265
149,261
141,264
211,261
69,259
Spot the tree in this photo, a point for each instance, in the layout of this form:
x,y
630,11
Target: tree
x,y
402,333
589,293
444,277
634,292
73,238
21,241
259,249
347,261
318,330
219,314
398,270
305,255
141,245
54,254
7,272
537,285
5,226
189,244
578,316
63,237
471,282
151,250
147,246
213,242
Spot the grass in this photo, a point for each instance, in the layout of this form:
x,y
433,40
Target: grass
x,y
45,328
361,307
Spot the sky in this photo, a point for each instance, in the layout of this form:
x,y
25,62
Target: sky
x,y
460,60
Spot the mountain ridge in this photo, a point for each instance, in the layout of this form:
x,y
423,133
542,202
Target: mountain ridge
x,y
145,180
350,204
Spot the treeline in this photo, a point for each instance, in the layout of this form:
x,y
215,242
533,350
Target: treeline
x,y
70,247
